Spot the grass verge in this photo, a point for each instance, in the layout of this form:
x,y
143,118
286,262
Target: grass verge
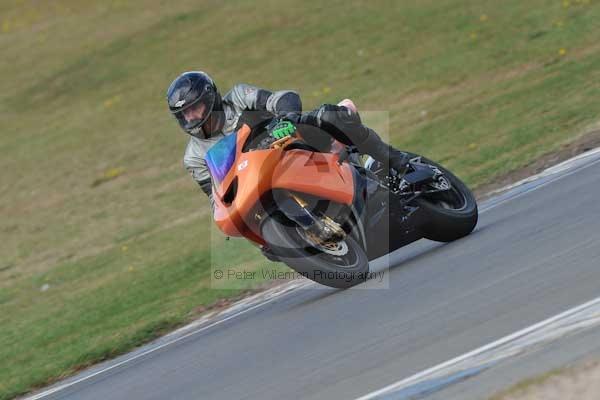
x,y
576,381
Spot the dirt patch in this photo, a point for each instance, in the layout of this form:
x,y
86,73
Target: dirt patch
x,y
578,383
584,143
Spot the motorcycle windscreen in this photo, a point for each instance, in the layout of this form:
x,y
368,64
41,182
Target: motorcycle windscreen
x,y
220,157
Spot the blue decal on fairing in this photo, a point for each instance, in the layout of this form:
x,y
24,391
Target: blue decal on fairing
x,y
220,157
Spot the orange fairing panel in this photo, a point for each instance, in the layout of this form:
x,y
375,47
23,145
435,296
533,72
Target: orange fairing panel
x,y
260,171
315,173
231,218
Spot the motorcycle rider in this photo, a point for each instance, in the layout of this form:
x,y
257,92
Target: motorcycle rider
x,y
198,107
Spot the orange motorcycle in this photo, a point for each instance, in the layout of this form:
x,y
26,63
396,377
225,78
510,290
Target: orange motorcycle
x,y
320,210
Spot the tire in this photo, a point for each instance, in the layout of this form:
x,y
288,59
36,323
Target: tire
x,y
338,271
449,215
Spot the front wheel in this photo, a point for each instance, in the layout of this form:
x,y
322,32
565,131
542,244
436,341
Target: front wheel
x,y
340,265
451,214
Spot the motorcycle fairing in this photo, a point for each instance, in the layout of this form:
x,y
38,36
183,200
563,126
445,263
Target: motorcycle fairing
x,y
250,175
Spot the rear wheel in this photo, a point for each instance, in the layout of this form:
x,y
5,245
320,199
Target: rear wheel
x,y
341,264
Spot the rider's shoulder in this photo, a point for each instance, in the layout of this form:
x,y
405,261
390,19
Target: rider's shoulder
x,y
242,90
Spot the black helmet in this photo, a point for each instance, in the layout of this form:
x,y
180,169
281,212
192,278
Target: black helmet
x,y
196,92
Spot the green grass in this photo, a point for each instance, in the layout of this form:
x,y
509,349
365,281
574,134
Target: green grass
x,y
94,201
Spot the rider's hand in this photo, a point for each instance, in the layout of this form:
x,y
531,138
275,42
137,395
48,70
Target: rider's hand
x,y
282,129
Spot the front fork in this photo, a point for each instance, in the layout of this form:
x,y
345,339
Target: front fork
x,y
321,228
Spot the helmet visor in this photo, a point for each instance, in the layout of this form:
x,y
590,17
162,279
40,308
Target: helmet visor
x,y
197,113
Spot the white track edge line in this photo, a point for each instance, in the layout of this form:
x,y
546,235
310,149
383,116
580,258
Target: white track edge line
x,y
149,351
480,350
533,189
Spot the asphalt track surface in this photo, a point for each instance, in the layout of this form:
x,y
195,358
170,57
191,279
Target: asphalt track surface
x,y
534,254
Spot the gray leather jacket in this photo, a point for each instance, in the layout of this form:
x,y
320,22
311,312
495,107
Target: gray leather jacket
x,y
242,104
